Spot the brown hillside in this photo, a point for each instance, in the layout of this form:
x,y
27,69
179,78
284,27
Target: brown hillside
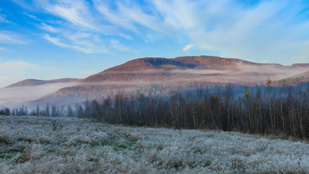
x,y
160,68
211,61
140,69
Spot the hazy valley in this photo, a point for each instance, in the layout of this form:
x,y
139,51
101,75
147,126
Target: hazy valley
x,y
145,73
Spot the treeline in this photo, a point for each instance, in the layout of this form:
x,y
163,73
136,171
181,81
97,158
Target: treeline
x,y
5,111
261,110
53,110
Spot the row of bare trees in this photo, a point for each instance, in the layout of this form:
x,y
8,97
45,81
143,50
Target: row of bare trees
x,y
262,110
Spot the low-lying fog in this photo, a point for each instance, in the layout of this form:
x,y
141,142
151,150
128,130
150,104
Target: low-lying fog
x,y
18,95
244,73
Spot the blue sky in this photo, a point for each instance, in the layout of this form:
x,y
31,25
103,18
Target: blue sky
x,y
48,39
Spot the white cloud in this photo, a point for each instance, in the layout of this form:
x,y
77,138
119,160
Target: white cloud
x,y
112,17
129,16
3,19
73,15
48,28
11,38
15,70
85,40
25,4
55,41
74,39
180,14
32,16
77,42
187,47
76,12
81,29
115,44
3,49
16,66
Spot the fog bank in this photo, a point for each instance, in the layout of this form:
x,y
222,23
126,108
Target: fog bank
x,y
17,95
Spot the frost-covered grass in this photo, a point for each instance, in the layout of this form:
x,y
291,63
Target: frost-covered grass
x,y
68,145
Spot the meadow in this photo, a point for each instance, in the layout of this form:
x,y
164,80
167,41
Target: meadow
x,y
34,144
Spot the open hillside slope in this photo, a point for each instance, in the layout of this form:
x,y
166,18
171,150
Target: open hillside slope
x,y
67,145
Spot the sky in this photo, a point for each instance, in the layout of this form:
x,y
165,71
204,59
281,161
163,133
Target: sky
x,y
50,39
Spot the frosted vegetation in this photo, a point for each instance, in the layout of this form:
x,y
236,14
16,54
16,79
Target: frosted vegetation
x,y
71,145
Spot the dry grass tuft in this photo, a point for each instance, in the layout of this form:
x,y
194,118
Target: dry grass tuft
x,y
5,139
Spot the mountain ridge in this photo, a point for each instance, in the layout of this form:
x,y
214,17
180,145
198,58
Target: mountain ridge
x,y
162,66
35,82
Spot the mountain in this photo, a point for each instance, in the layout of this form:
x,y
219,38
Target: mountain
x,y
196,68
162,75
150,69
35,82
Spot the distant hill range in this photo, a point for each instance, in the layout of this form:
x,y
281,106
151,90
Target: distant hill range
x,y
163,75
35,82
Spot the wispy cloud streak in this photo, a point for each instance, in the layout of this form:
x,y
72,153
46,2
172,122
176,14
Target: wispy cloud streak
x,y
7,37
187,47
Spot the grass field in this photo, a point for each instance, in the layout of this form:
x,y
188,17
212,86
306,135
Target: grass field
x,y
69,145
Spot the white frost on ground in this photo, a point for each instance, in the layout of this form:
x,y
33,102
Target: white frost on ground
x,y
68,145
